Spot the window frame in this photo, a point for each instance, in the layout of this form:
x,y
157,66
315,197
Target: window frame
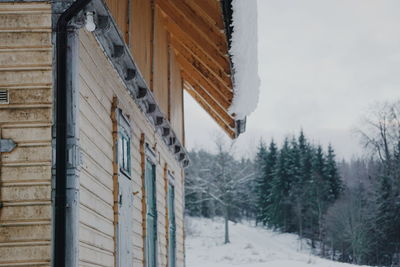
x,y
150,160
171,221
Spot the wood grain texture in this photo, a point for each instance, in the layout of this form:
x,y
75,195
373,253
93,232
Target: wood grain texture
x,y
197,33
100,84
140,37
176,100
25,173
161,59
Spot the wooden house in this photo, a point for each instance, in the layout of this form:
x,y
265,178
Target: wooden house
x,y
92,125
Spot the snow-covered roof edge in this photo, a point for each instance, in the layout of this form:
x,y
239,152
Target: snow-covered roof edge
x,y
244,58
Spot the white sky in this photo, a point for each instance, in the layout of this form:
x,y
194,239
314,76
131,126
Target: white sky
x,y
321,64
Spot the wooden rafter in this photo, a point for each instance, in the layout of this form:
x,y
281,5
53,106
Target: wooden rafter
x,y
209,10
206,97
179,26
216,75
197,69
217,64
185,22
211,112
209,31
220,98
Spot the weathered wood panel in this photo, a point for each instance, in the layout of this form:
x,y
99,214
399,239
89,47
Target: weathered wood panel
x,y
99,84
176,101
120,11
160,73
25,173
96,212
140,37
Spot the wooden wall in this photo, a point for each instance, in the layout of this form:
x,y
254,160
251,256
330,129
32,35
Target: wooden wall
x,y
25,173
176,96
160,68
140,40
142,24
99,84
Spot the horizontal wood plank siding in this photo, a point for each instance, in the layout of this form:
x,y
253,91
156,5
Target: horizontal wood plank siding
x,y
99,84
25,173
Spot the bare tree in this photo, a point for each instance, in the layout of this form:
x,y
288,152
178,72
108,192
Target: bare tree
x,y
221,181
349,225
381,131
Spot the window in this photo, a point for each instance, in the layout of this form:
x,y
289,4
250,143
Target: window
x,y
151,213
124,153
171,226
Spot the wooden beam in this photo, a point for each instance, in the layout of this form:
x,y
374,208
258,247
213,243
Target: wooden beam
x,y
207,59
211,71
231,133
187,25
211,102
214,92
152,44
225,92
210,32
179,27
209,10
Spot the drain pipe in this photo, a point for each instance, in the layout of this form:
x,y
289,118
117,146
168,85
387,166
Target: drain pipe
x,y
67,161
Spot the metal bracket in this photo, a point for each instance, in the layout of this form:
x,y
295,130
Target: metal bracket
x,y
74,159
7,145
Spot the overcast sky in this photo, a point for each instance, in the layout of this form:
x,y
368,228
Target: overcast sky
x,y
321,64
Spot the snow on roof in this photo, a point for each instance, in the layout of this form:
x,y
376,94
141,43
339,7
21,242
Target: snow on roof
x,y
244,58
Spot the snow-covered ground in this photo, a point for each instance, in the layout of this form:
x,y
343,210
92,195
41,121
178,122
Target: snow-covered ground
x,y
249,247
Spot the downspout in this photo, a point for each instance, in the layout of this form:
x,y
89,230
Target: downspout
x,y
67,140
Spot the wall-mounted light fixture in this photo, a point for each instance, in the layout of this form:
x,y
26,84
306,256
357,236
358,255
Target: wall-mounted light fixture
x,y
90,25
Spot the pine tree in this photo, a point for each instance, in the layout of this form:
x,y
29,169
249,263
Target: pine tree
x,y
305,208
296,192
260,189
279,208
332,174
319,192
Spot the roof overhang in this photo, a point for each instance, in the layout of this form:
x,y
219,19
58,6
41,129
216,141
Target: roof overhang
x,y
200,36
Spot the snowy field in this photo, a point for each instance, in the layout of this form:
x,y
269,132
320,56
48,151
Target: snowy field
x,y
249,247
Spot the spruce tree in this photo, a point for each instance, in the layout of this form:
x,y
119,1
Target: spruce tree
x,y
279,208
305,196
260,188
332,174
319,192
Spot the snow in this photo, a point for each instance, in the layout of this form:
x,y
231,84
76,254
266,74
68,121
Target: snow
x,y
244,58
250,247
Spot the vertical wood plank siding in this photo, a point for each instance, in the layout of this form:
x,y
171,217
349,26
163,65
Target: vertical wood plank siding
x,y
139,24
99,84
140,37
176,103
25,173
120,10
160,75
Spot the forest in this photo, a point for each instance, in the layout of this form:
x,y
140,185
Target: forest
x,y
348,210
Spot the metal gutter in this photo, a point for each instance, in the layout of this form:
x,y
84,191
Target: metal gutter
x,y
66,241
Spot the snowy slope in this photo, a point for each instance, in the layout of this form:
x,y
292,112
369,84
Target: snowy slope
x,y
249,247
